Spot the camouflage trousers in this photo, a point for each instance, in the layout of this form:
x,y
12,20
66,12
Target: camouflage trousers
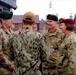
x,y
5,71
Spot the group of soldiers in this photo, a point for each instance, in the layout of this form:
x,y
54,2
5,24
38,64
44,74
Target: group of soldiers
x,y
27,52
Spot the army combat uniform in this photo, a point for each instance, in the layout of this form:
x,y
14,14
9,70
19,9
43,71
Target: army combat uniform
x,y
67,64
53,41
5,60
6,67
29,50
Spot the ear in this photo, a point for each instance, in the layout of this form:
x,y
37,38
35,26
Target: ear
x,y
22,22
2,20
33,23
45,22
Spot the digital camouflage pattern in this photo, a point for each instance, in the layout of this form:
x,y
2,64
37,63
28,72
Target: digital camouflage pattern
x,y
5,59
29,50
53,41
67,62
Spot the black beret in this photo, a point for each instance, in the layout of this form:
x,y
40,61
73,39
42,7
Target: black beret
x,y
52,17
6,14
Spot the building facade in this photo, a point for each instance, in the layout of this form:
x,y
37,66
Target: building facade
x,y
7,4
17,25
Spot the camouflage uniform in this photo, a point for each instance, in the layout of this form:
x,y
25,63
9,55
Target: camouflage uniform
x,y
29,49
5,60
67,62
53,41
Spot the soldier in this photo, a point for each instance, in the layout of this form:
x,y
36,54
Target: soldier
x,y
6,64
28,48
67,48
53,37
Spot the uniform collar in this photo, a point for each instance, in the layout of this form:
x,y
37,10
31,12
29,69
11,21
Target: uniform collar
x,y
7,31
27,29
52,33
67,35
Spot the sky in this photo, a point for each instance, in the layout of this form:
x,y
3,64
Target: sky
x,y
41,7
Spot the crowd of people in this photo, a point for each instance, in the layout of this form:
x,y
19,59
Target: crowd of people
x,y
27,52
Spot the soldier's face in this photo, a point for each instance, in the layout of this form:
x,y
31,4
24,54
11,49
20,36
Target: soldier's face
x,y
62,27
7,22
51,24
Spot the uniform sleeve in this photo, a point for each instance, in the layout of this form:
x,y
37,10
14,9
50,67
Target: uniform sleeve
x,y
72,55
13,45
45,52
10,47
3,58
1,52
68,51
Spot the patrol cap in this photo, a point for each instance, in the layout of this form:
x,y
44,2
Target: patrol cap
x,y
69,21
29,17
52,17
6,14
